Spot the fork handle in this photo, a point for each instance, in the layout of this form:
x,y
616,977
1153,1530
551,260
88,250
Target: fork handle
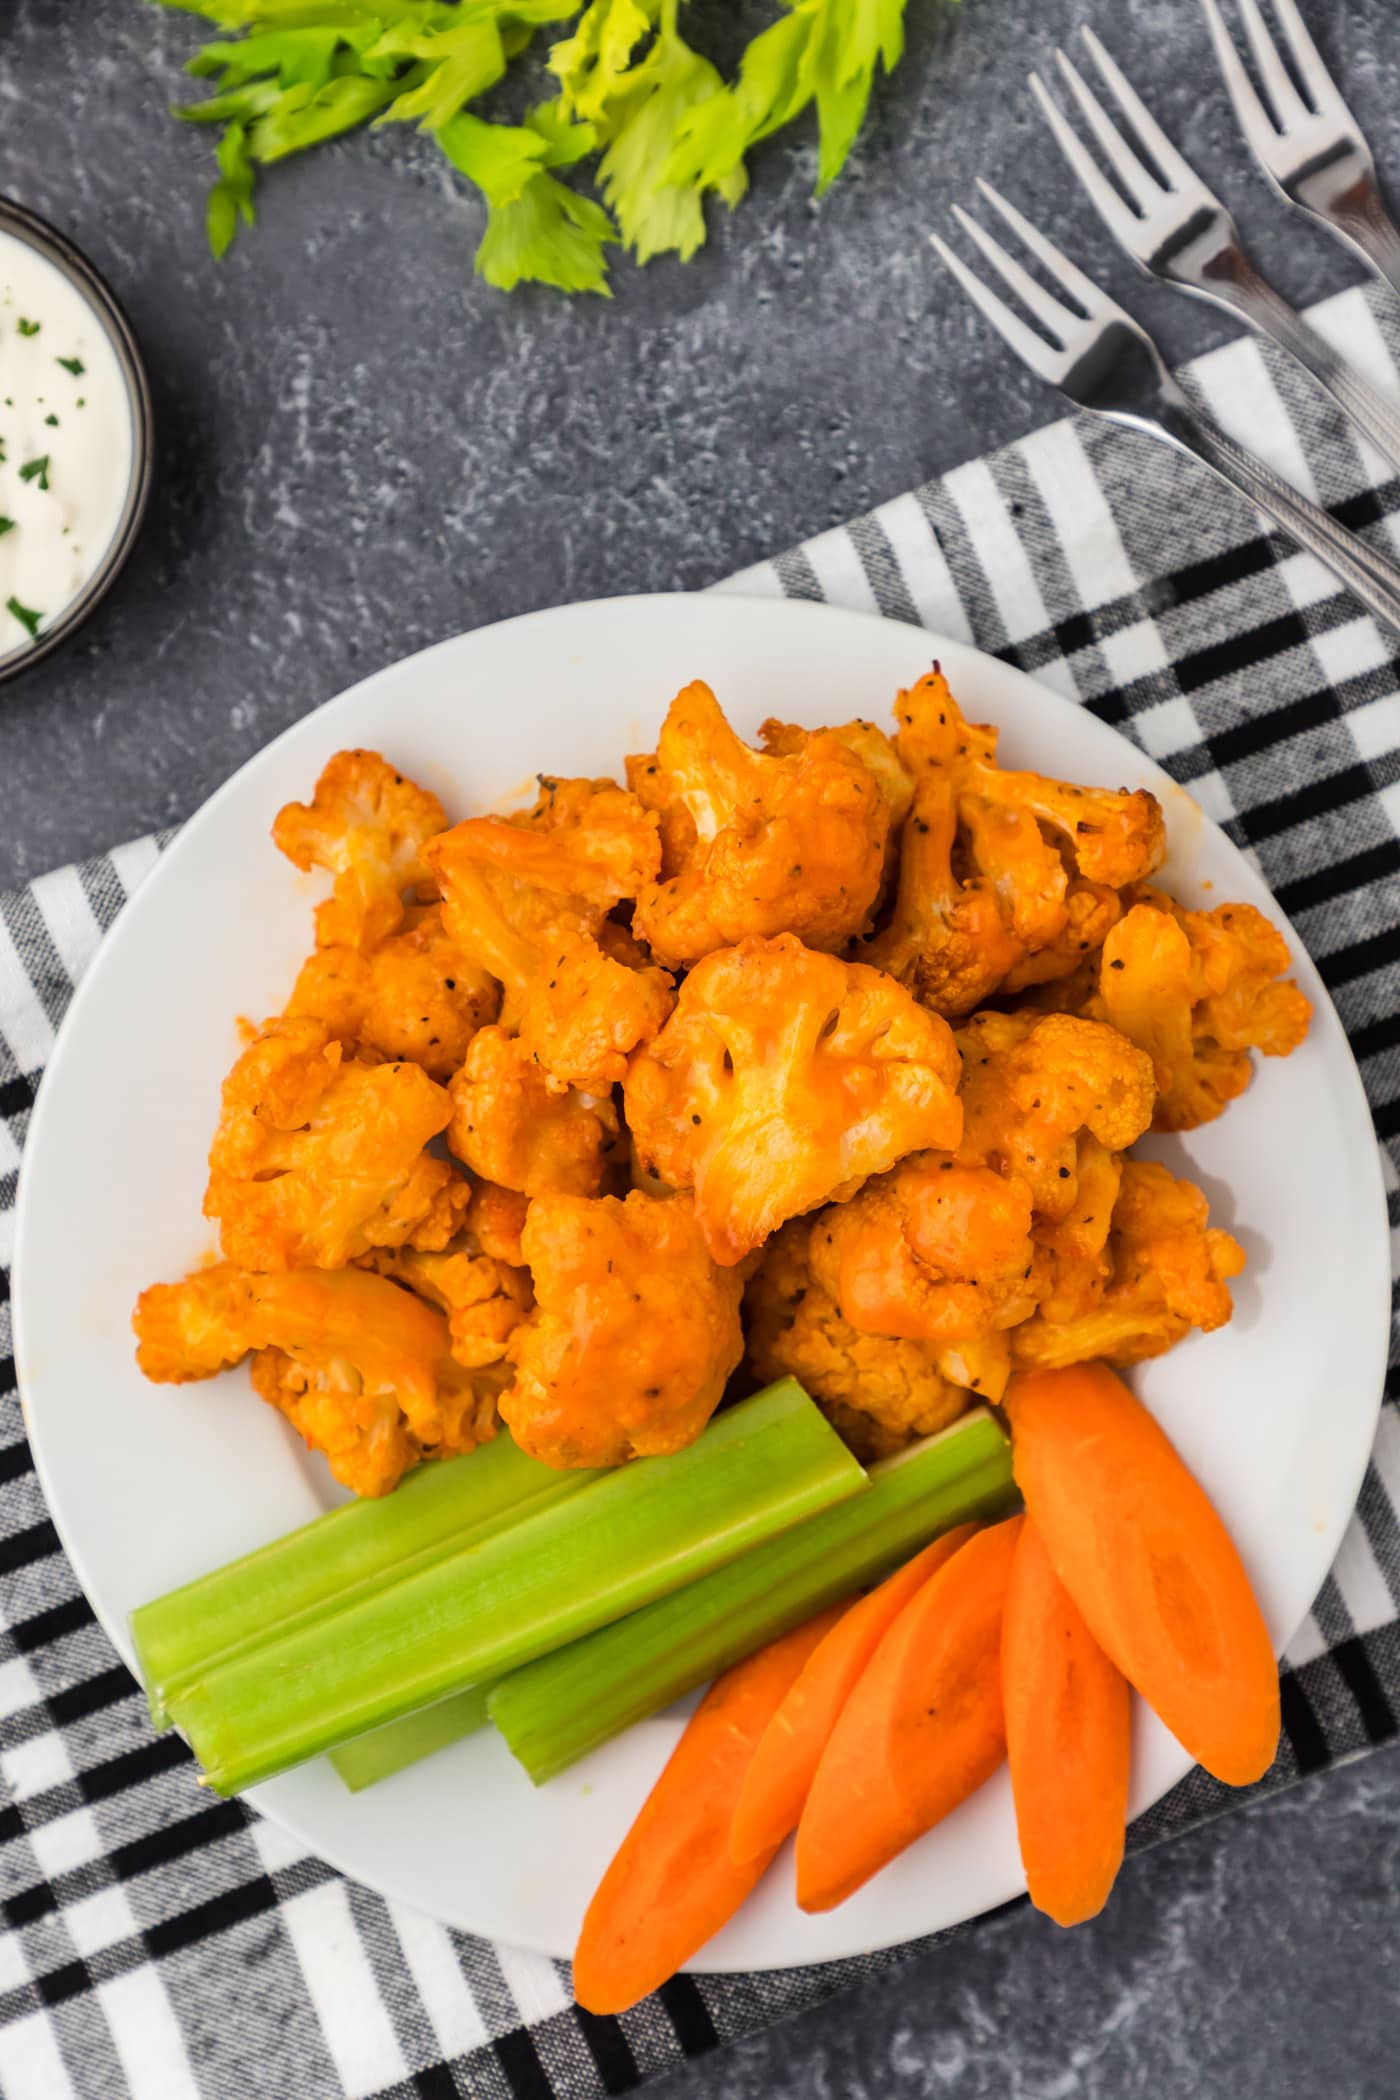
x,y
1371,229
1248,294
1370,576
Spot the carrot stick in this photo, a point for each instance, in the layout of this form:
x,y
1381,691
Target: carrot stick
x,y
1135,1541
672,1883
785,1762
1067,1741
920,1732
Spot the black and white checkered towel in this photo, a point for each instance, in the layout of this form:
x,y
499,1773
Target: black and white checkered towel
x,y
160,1945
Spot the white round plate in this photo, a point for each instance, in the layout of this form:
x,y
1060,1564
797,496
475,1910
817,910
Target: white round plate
x,y
150,1486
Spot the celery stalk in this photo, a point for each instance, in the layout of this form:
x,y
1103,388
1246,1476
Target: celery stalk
x,y
326,1563
557,1574
387,1750
556,1710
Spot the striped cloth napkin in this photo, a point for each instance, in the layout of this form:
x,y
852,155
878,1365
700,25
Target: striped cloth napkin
x,y
160,1945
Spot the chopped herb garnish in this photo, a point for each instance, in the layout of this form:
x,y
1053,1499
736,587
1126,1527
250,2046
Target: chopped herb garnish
x,y
82,400
29,327
74,365
52,421
28,619
6,525
36,470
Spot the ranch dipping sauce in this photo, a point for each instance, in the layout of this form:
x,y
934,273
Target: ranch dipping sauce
x,y
66,442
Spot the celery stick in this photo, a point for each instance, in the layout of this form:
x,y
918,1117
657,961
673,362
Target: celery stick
x,y
554,1711
387,1750
329,1561
558,1573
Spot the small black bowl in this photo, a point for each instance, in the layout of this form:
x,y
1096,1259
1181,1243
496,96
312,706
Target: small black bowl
x,y
29,227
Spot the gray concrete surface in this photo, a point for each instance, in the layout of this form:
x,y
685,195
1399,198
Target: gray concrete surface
x,y
361,451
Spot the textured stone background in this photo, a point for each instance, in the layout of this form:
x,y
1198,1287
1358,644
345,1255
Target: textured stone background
x,y
362,450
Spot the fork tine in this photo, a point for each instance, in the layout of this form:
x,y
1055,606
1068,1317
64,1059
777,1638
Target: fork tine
x,y
1178,174
1290,110
1106,199
1254,120
1058,319
1321,87
1031,348
1094,302
1142,186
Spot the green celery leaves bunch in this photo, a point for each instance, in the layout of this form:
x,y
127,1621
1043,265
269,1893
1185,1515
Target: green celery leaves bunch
x,y
662,127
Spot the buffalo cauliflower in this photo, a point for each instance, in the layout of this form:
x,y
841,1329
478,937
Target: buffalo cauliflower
x,y
1072,1249
634,1335
485,1299
527,899
1166,1271
955,1248
788,841
877,1392
947,938
783,1079
1198,990
317,1160
360,1368
1033,1082
868,1024
936,1251
1006,878
413,997
367,825
509,1127
496,1221
1108,836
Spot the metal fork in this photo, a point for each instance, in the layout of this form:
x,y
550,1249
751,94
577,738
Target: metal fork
x,y
1099,356
1309,145
1177,230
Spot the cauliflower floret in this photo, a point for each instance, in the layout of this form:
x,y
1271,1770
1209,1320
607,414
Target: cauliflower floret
x,y
956,1247
635,1333
946,938
484,1299
527,900
368,826
877,1393
1033,1082
496,1222
769,843
509,1127
361,1368
1167,1273
1073,1249
872,747
1007,879
1112,837
1198,990
196,1328
415,996
781,1081
364,1439
316,1160
937,1251
1091,912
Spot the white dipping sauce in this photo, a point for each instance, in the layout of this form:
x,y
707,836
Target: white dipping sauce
x,y
66,438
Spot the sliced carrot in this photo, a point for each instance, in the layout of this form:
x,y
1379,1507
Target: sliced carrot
x,y
920,1732
1133,1537
672,1883
785,1762
1068,1734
